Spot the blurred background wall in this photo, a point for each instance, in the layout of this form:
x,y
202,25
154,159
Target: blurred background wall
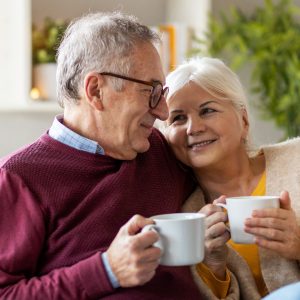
x,y
21,124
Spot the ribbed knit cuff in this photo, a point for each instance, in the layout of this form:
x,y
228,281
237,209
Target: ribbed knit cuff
x,y
93,277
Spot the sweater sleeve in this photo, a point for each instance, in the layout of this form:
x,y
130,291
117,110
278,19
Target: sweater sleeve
x,y
233,292
22,236
219,287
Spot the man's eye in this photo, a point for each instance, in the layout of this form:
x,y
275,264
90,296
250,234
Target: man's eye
x,y
147,91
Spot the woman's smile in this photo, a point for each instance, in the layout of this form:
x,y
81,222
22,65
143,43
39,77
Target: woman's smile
x,y
196,146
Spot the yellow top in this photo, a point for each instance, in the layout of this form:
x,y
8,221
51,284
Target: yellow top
x,y
217,286
248,252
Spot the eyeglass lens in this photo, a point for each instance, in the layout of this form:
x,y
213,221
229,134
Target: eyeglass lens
x,y
158,91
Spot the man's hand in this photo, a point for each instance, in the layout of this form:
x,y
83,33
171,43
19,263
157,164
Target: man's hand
x,y
276,229
216,236
131,255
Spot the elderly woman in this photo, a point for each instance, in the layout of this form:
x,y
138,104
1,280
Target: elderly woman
x,y
208,129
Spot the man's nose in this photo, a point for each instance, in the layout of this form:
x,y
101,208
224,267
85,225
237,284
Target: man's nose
x,y
161,110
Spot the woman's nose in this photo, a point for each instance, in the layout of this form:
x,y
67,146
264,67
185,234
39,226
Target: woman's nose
x,y
195,126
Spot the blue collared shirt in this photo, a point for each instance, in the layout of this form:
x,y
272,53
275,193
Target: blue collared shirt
x,y
63,134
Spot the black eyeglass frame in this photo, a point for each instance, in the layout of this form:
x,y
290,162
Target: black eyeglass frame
x,y
154,100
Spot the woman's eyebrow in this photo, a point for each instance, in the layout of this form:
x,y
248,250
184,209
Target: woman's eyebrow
x,y
176,111
207,102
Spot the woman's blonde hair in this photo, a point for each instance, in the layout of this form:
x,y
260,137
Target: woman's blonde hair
x,y
212,75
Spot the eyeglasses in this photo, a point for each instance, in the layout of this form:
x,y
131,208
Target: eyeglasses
x,y
157,88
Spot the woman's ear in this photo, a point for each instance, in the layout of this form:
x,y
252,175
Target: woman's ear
x,y
245,123
93,84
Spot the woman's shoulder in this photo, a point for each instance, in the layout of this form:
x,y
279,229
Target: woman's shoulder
x,y
283,147
283,157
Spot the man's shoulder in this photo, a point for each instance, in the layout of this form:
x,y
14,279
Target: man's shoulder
x,y
159,147
157,139
157,136
160,155
25,155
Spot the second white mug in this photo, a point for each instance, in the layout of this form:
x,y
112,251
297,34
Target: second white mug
x,y
241,208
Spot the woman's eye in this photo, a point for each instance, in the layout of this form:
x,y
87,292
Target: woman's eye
x,y
178,118
207,110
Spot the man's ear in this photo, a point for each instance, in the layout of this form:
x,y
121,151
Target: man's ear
x,y
93,84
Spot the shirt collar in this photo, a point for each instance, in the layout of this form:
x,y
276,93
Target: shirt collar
x,y
65,135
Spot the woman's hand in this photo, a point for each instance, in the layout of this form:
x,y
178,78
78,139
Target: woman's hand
x,y
216,236
276,229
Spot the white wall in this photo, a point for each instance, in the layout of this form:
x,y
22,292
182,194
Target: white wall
x,y
20,128
149,12
190,12
15,51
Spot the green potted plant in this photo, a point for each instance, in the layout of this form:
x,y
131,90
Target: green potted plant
x,y
45,41
268,39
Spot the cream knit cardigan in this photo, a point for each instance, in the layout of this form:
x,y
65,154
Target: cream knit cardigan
x,y
282,173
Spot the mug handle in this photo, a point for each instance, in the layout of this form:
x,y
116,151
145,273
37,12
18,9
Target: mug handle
x,y
224,206
153,227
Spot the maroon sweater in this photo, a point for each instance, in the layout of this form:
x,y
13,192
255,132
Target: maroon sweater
x,y
61,207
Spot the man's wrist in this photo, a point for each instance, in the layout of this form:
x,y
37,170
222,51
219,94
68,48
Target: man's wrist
x,y
112,277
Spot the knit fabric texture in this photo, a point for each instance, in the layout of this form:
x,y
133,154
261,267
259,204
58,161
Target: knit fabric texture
x,y
62,207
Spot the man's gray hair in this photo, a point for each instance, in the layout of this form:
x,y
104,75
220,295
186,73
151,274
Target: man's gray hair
x,y
102,42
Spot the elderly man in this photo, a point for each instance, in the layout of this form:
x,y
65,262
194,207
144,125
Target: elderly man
x,y
65,198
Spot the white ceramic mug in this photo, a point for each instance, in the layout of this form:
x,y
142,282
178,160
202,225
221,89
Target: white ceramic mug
x,y
241,208
181,238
